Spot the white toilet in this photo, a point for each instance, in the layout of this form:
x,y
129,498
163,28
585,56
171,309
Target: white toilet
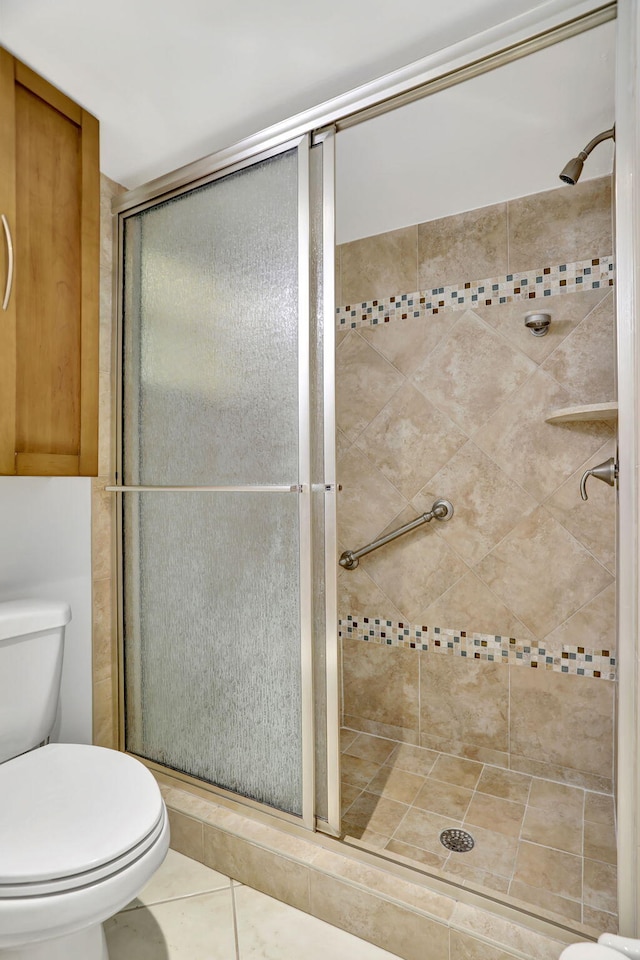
x,y
609,947
82,828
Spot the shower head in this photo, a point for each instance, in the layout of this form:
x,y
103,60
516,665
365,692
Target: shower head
x,y
572,171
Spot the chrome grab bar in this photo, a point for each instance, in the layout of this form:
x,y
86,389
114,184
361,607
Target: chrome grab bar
x,y
7,234
441,510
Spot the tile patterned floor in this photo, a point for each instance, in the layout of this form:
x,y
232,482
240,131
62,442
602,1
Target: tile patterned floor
x,y
544,843
189,912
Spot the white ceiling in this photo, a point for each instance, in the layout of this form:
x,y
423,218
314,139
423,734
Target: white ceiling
x,y
173,81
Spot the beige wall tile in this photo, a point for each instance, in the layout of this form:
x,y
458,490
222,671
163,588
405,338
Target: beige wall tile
x,y
594,625
468,246
102,599
371,748
377,920
454,377
359,594
539,456
600,886
379,266
561,225
259,868
102,507
407,342
408,439
542,573
470,605
592,522
562,719
367,502
390,730
187,835
470,751
584,363
465,700
105,457
416,568
365,382
554,771
380,683
487,503
104,732
566,311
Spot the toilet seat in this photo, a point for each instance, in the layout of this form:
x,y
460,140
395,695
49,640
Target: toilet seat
x,y
71,815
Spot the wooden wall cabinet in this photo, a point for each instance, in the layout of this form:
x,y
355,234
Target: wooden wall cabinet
x,y
49,329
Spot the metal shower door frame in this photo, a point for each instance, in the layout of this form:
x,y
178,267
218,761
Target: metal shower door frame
x,y
302,488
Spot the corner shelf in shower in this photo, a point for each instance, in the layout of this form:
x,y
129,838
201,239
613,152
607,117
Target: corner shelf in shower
x,y
586,411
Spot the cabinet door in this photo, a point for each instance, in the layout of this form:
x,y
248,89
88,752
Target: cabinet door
x,y
55,298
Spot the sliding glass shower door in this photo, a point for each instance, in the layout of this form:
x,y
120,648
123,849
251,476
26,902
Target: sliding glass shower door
x,y
221,550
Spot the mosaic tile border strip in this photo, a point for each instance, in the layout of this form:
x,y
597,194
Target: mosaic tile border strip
x,y
579,661
544,282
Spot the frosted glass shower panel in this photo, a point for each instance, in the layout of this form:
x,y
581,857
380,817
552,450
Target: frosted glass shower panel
x,y
210,332
212,621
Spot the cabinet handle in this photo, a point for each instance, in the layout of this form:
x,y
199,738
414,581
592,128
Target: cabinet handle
x,y
7,289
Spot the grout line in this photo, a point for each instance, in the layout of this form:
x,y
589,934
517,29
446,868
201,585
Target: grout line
x,y
234,914
584,807
526,807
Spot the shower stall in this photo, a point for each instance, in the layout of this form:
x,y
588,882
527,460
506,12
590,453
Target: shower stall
x,y
299,630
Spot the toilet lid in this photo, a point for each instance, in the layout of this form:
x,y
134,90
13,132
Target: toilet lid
x,y
69,808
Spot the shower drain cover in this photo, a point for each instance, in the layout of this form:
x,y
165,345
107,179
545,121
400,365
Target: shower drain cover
x,y
457,840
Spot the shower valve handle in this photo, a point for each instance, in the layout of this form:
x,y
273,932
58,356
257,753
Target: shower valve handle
x,y
607,471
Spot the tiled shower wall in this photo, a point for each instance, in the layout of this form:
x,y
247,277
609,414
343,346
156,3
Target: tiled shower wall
x,y
496,638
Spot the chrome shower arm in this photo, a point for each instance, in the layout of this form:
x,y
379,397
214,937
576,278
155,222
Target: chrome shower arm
x,y
605,135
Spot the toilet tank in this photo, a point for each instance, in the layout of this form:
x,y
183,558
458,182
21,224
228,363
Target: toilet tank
x,y
31,647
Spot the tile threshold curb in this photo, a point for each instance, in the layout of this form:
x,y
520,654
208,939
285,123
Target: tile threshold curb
x,y
508,927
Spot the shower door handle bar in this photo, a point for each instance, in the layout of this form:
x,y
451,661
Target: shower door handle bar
x,y
9,283
292,488
441,510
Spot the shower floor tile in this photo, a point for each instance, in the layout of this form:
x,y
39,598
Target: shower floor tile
x,y
189,912
546,844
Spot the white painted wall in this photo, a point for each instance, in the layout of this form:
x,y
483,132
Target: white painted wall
x,y
45,551
502,135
